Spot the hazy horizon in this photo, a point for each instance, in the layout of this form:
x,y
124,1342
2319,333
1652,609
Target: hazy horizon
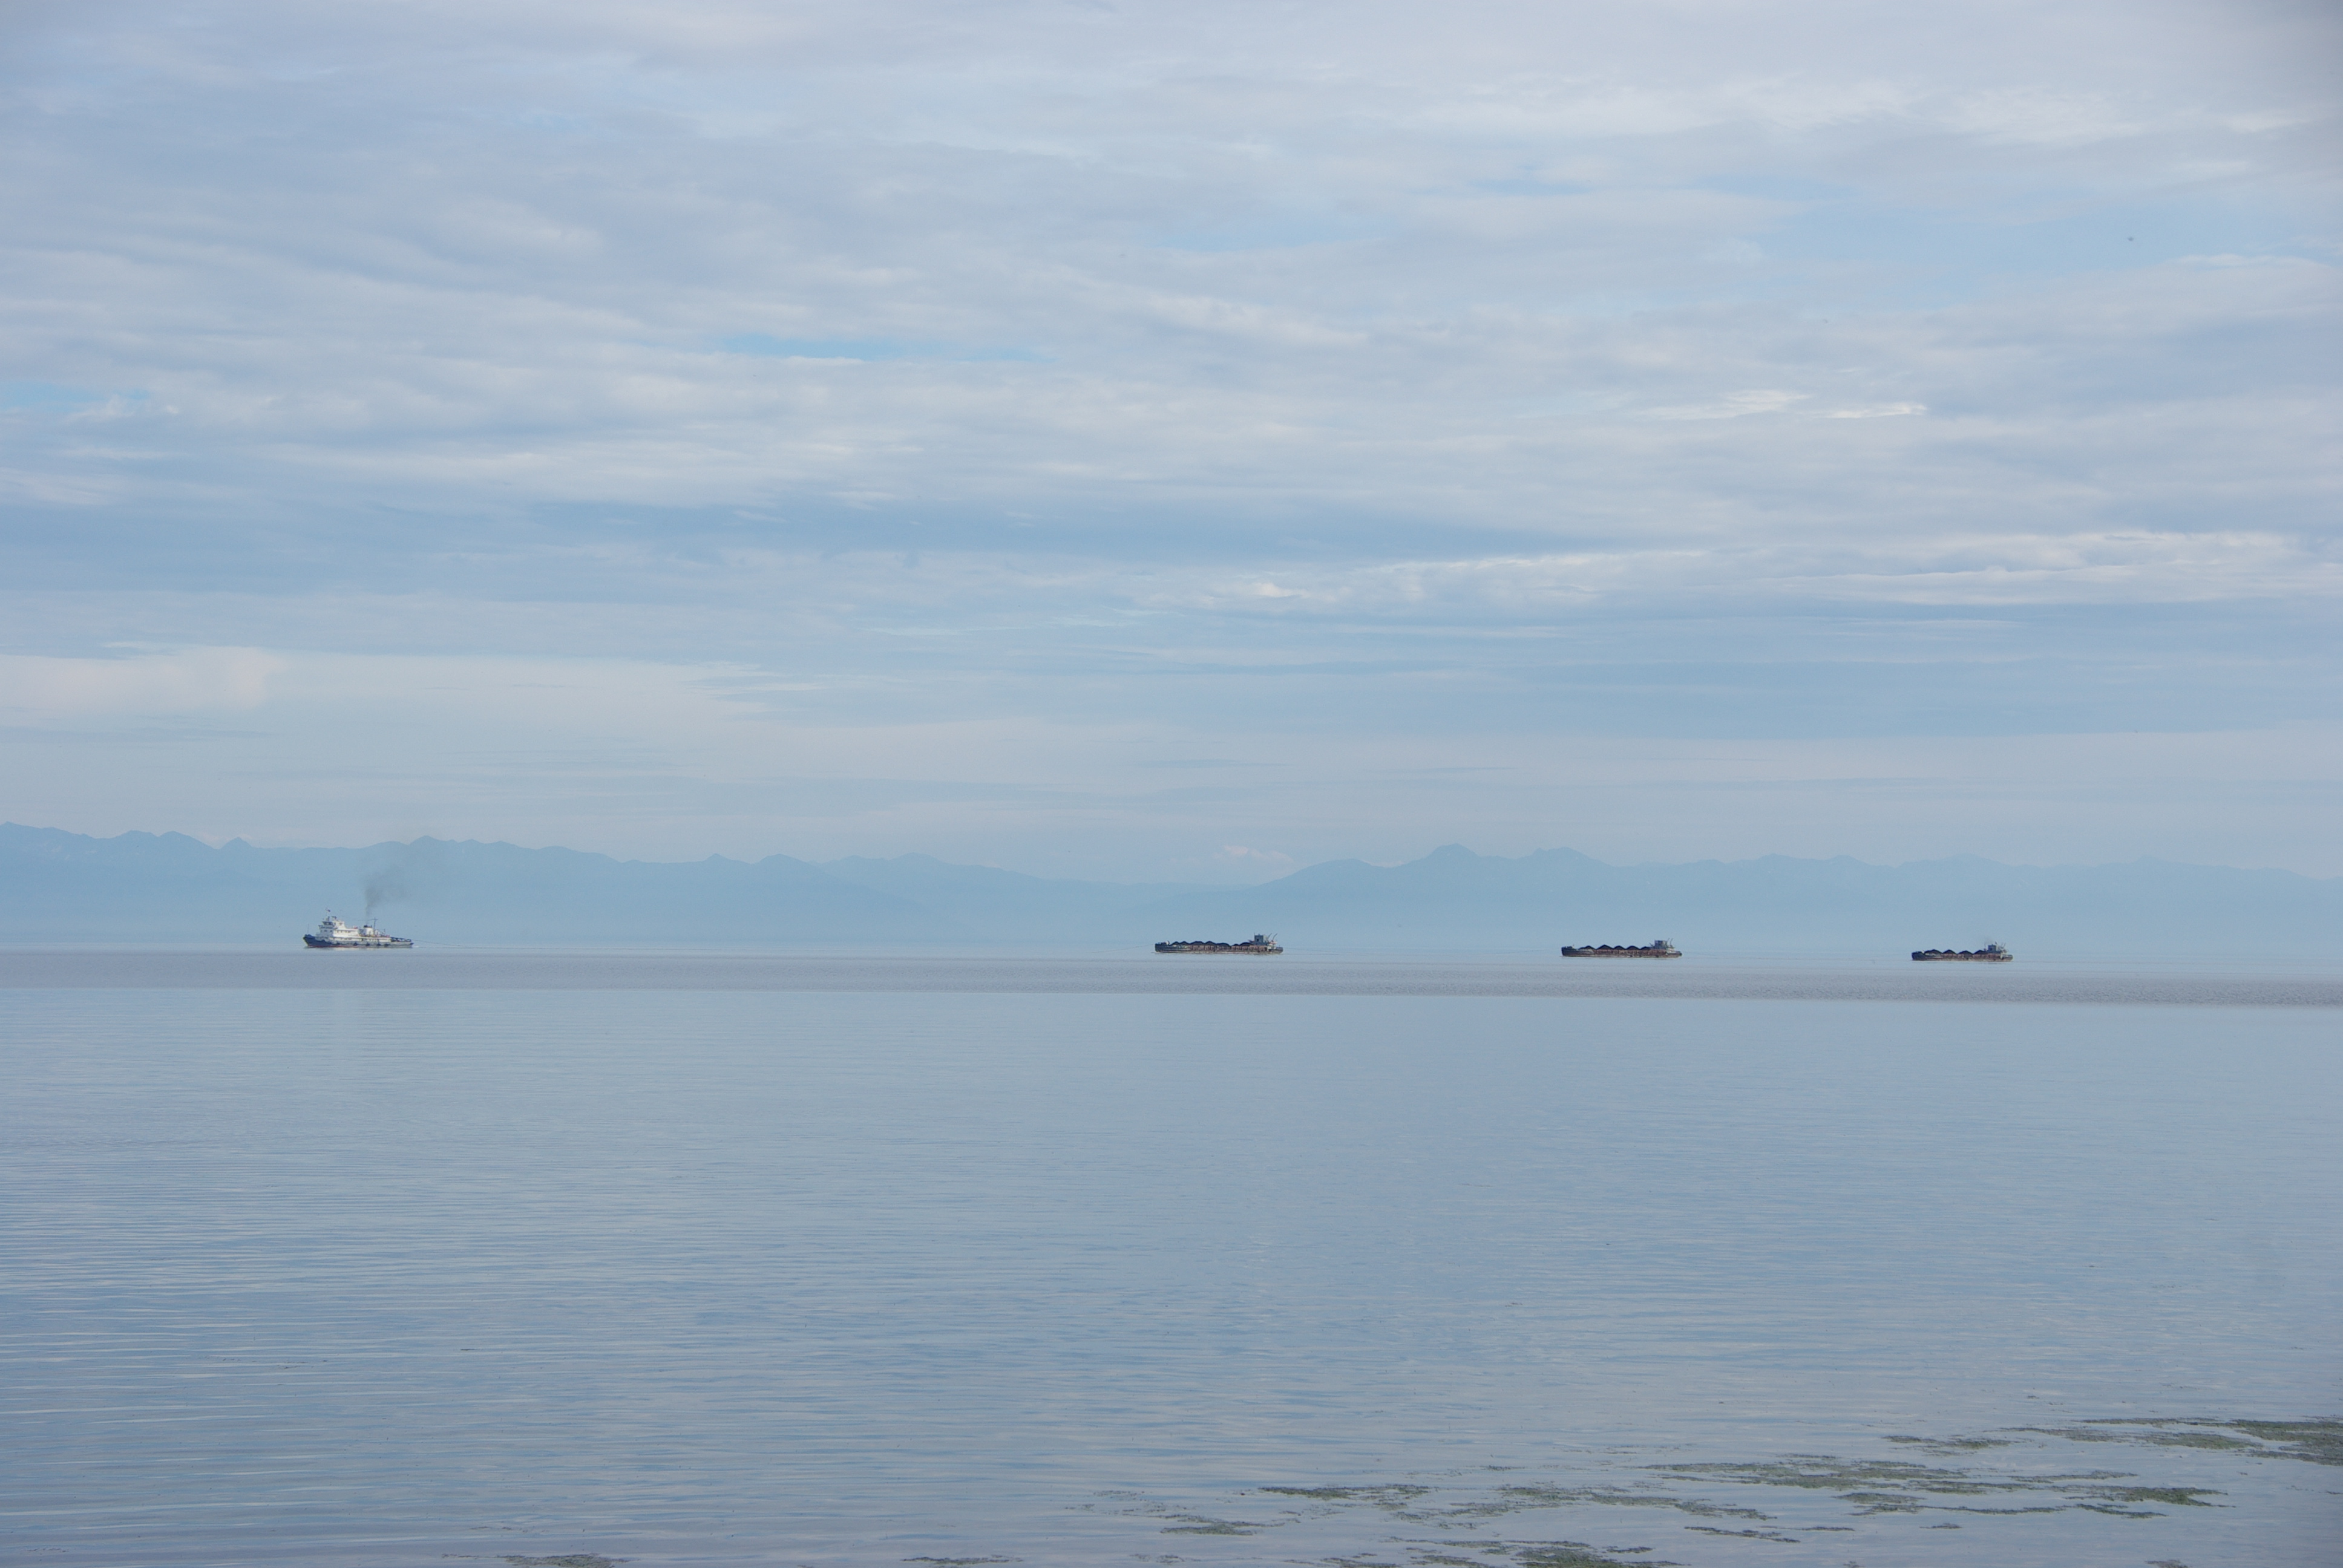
x,y
60,886
1257,879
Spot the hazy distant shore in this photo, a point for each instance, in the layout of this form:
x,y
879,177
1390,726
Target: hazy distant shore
x,y
63,888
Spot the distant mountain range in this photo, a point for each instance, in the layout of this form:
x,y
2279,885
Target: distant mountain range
x,y
150,889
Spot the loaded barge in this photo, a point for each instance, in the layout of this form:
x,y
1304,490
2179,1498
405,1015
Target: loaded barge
x,y
1991,953
1661,949
1260,944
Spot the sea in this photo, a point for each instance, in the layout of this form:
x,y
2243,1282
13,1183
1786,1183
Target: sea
x,y
844,1260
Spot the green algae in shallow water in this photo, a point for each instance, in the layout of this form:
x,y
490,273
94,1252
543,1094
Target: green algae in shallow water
x,y
1519,1499
1956,1444
1889,1486
1204,1524
1620,1497
2179,1496
1454,1505
1529,1553
1579,1554
1822,1473
2319,1442
2153,1438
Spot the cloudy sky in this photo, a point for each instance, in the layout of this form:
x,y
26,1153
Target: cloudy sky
x,y
1177,440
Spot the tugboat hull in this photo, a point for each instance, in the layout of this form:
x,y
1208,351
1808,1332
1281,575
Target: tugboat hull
x,y
334,935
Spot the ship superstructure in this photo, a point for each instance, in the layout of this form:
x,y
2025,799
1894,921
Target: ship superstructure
x,y
337,933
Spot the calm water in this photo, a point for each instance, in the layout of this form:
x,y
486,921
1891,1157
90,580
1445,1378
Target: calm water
x,y
868,1262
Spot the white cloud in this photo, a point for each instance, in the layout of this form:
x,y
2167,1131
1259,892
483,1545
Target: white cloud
x,y
665,761
1255,859
1733,405
1890,566
199,680
1356,344
2040,116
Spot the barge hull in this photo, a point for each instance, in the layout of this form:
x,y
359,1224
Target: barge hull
x,y
1659,949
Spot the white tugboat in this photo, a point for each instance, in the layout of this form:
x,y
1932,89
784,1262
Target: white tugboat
x,y
335,933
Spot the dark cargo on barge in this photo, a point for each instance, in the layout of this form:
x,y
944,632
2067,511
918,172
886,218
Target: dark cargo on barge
x,y
1260,944
1661,949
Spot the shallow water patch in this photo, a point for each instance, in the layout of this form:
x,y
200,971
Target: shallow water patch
x,y
2317,1441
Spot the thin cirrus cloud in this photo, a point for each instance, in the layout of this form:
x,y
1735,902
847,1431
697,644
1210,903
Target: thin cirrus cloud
x,y
859,350
1478,379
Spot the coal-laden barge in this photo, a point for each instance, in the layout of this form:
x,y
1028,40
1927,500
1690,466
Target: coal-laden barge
x,y
1260,944
1661,949
334,933
1991,953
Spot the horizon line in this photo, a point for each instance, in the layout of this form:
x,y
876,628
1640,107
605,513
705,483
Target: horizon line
x,y
1296,870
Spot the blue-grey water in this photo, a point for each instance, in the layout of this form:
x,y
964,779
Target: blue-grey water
x,y
421,1258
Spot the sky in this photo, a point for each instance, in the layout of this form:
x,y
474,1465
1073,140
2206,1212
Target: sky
x,y
1187,442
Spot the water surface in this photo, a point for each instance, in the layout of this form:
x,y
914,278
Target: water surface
x,y
861,1261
